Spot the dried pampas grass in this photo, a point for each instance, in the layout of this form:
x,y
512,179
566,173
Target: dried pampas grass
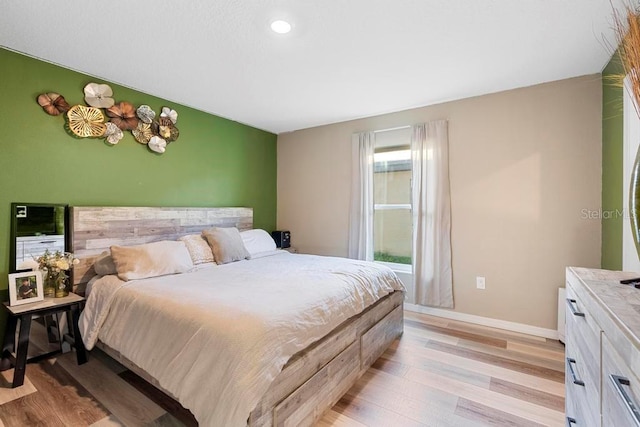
x,y
627,29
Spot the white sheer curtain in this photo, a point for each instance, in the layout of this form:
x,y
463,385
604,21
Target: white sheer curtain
x,y
431,205
361,217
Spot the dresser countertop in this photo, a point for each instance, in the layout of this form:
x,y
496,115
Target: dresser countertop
x,y
621,302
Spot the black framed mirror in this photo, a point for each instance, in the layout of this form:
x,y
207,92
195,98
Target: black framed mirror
x,y
35,228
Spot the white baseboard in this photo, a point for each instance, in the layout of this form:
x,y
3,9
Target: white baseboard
x,y
484,321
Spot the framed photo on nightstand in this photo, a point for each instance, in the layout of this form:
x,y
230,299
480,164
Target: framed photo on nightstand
x,y
25,288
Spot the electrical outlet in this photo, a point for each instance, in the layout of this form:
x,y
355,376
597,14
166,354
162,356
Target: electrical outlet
x,y
480,284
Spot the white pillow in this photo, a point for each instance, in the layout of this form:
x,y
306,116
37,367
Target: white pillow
x,y
151,260
257,241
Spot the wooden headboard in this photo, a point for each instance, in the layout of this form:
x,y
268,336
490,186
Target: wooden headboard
x,y
95,229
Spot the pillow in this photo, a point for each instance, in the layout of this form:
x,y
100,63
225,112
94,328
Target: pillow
x,y
198,248
256,241
89,285
151,260
104,265
226,244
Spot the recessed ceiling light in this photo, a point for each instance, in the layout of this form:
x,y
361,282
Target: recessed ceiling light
x,y
281,27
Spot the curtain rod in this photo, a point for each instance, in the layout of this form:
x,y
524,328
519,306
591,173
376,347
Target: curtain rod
x,y
390,129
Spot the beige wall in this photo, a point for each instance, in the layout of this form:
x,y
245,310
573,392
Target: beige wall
x,y
524,164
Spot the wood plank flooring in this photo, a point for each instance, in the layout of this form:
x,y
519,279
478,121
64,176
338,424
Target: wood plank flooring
x,y
439,373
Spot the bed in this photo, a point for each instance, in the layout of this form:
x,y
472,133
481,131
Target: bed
x,y
295,362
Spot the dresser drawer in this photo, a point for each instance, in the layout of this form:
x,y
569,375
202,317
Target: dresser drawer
x,y
582,399
582,362
620,389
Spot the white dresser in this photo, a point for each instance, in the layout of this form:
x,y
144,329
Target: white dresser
x,y
602,349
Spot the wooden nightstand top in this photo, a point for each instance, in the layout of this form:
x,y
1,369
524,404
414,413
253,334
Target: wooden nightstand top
x,y
46,304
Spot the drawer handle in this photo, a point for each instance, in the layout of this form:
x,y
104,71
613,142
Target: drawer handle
x,y
574,377
48,241
618,382
571,421
574,308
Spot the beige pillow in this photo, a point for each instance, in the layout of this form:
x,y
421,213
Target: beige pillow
x,y
104,265
198,248
226,244
151,260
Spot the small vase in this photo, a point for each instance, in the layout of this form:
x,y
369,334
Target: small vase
x,y
55,283
49,284
62,285
62,292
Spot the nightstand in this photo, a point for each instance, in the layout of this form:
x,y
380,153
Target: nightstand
x,y
71,305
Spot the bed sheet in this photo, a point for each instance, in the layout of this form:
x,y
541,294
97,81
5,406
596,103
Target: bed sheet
x,y
217,337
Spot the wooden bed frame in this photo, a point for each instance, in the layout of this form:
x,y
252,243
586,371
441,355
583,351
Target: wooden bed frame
x,y
314,379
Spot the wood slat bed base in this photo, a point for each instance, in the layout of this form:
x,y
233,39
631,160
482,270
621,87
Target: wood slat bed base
x,y
317,377
94,229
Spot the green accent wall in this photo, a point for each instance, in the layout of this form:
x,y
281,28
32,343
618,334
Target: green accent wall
x,y
215,161
612,161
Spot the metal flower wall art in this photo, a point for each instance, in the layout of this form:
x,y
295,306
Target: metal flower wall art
x,y
86,122
98,96
89,121
53,103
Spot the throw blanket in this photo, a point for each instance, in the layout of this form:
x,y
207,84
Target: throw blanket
x,y
216,338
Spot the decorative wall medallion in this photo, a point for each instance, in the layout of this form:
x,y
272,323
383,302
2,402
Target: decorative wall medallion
x,y
158,144
113,134
142,133
53,103
145,113
170,114
86,121
123,115
164,128
99,96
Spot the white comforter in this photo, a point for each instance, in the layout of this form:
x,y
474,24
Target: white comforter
x,y
217,337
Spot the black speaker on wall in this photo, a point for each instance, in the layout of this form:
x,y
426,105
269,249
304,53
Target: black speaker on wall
x,y
282,238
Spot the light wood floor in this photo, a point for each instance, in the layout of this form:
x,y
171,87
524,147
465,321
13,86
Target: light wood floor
x,y
440,373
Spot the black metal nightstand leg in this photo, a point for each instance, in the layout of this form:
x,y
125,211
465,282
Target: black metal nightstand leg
x,y
81,352
21,352
53,327
8,345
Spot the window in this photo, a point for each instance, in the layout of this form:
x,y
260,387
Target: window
x,y
392,202
389,173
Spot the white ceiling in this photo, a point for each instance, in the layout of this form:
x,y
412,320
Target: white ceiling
x,y
344,59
